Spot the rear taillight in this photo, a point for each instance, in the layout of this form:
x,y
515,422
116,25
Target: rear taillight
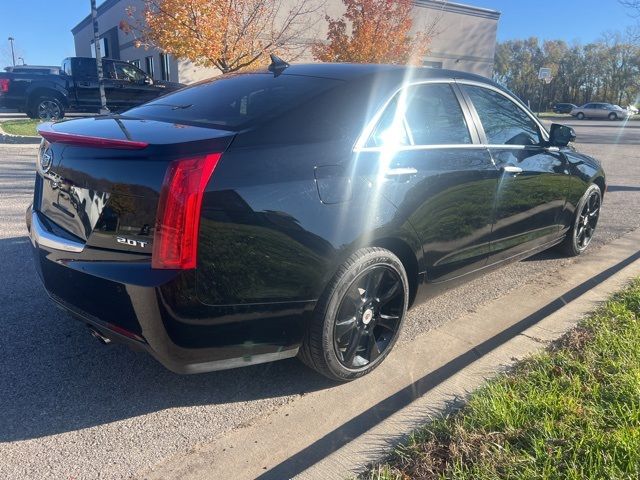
x,y
4,85
175,242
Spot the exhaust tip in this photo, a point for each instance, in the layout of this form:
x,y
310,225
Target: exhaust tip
x,y
101,338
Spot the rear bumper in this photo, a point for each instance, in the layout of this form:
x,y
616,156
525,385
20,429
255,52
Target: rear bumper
x,y
157,310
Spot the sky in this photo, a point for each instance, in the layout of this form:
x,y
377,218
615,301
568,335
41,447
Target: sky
x,y
42,28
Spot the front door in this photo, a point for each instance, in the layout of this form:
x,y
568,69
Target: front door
x,y
532,184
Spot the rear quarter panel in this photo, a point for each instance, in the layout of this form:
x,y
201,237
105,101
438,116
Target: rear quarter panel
x,y
265,236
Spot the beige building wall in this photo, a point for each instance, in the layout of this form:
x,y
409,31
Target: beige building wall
x,y
465,37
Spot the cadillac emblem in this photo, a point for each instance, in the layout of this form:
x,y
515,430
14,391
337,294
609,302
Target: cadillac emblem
x,y
46,159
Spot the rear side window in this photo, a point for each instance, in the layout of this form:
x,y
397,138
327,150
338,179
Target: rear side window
x,y
422,115
235,101
85,68
504,122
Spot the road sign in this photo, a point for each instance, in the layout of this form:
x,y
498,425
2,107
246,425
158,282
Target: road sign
x,y
544,73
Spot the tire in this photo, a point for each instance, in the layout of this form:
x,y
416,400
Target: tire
x,y
577,239
354,327
613,116
580,116
47,107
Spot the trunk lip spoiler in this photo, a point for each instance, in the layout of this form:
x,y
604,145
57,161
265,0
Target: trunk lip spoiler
x,y
47,132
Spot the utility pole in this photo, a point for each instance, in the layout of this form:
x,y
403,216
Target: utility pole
x,y
96,42
13,54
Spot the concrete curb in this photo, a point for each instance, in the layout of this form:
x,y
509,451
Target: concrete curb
x,y
19,140
335,433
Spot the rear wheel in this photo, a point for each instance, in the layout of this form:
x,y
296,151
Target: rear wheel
x,y
359,317
613,116
580,116
47,108
584,223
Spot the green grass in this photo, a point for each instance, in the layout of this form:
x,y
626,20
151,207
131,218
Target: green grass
x,y
20,127
572,412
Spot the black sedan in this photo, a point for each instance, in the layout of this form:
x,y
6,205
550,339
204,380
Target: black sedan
x,y
299,210
563,107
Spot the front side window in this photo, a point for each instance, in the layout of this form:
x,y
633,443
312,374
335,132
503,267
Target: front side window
x,y
504,122
126,71
422,115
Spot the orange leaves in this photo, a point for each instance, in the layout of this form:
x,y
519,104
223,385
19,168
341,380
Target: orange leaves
x,y
373,31
227,34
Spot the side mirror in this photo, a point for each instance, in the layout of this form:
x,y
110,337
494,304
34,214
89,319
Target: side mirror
x,y
561,135
147,81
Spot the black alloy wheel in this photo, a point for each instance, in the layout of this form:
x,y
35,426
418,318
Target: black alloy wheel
x,y
369,317
359,316
585,222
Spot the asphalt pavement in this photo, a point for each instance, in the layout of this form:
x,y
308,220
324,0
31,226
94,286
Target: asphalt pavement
x,y
72,408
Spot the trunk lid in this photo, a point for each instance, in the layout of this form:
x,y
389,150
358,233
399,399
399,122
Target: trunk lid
x,y
99,179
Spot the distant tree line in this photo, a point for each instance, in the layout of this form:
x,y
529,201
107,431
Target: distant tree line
x,y
603,71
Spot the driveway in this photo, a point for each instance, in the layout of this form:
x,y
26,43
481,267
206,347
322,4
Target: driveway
x,y
72,408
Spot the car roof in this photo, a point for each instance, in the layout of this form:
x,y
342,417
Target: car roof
x,y
348,71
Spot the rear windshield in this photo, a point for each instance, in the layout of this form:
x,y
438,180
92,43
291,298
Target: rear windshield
x,y
235,102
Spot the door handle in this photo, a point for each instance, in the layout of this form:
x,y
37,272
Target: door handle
x,y
512,169
400,172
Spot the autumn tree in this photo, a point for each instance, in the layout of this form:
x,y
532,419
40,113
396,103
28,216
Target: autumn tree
x,y
226,34
375,31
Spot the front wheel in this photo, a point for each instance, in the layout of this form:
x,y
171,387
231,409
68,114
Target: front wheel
x,y
358,318
580,116
584,223
613,116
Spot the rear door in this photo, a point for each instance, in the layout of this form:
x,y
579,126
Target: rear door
x,y
426,159
533,179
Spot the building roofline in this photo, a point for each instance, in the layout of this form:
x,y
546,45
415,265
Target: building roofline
x,y
446,6
442,5
103,7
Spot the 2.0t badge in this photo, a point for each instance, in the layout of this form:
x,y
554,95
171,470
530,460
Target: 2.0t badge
x,y
133,243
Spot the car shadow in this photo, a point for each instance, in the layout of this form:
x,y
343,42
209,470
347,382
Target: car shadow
x,y
56,378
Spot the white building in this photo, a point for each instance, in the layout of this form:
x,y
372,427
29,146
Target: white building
x,y
465,39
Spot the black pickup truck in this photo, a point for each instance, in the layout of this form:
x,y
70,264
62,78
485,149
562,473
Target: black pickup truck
x,y
76,89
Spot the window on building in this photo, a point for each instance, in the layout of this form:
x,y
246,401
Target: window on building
x,y
148,62
504,122
164,66
135,63
431,64
105,50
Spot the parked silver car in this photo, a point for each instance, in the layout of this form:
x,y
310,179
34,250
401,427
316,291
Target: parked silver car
x,y
601,110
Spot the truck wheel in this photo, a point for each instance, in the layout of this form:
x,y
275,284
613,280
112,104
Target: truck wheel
x,y
47,108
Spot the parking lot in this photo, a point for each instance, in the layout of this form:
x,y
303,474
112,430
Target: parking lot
x,y
72,408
